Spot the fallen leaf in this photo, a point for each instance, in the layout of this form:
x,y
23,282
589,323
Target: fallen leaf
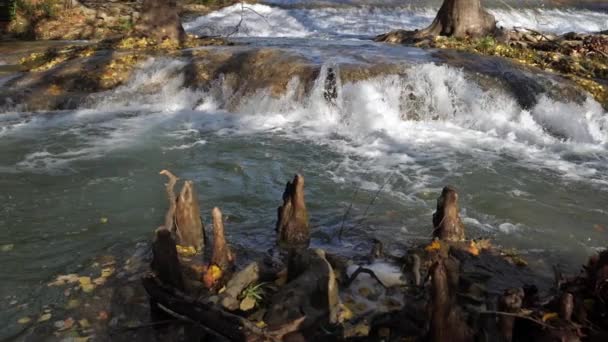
x,y
434,246
68,323
87,288
185,251
599,227
361,330
72,304
24,320
7,248
213,274
45,317
103,220
247,303
106,272
345,314
102,315
99,281
84,323
84,280
473,249
261,324
549,316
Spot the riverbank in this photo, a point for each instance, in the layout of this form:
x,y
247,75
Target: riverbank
x,y
582,58
87,19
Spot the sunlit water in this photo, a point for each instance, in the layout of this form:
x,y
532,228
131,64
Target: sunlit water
x,y
533,179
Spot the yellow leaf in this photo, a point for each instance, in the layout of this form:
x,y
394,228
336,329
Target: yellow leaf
x,y
45,317
473,248
24,320
106,272
84,323
104,220
185,251
261,324
434,246
549,316
84,280
87,288
247,303
345,314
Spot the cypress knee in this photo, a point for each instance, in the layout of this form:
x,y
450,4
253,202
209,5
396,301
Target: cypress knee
x,y
292,226
511,301
165,262
189,228
446,220
221,255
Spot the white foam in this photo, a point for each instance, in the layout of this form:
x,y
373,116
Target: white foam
x,y
260,20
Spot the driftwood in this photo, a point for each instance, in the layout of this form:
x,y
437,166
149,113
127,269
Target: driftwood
x,y
222,255
165,262
292,225
238,283
446,220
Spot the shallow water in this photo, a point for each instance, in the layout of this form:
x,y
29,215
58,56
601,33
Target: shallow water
x,y
533,179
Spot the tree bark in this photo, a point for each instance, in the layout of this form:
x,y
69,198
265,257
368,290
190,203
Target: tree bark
x,y
455,18
461,18
160,20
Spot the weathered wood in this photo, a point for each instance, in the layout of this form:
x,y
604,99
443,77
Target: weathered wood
x,y
189,227
292,225
222,255
212,317
238,283
446,219
165,262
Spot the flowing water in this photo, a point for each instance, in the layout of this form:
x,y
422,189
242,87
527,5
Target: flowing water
x,y
534,179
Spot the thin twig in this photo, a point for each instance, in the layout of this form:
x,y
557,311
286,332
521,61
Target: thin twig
x,y
188,319
350,206
360,270
502,313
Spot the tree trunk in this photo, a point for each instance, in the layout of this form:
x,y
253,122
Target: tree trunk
x,y
461,18
160,20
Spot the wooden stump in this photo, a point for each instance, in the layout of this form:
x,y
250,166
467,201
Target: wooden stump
x,y
446,220
292,225
310,296
165,262
183,216
222,255
189,228
511,301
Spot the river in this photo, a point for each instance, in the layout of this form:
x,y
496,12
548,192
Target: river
x,y
80,183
